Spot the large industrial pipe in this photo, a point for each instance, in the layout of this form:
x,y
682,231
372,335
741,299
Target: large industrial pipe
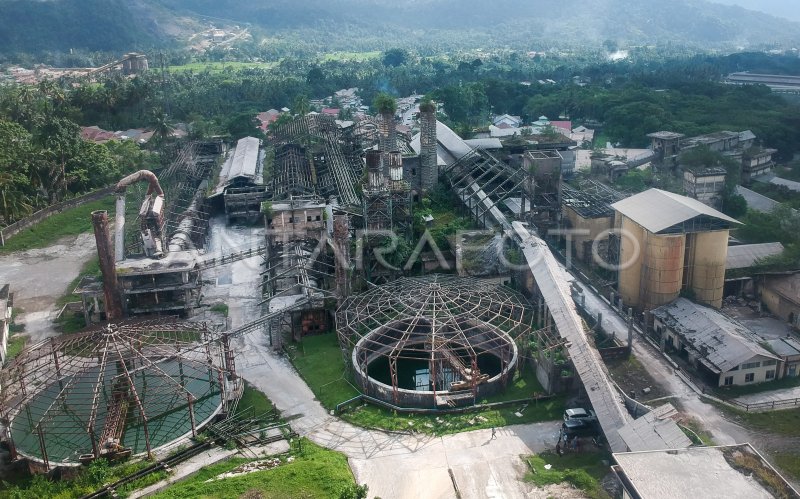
x,y
182,238
107,265
150,177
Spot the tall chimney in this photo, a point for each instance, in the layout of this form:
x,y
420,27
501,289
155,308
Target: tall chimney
x,y
107,265
427,153
395,167
341,244
375,177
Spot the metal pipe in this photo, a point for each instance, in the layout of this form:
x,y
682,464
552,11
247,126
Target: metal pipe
x,y
150,177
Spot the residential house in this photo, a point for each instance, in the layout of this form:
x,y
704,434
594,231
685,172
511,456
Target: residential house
x,y
511,121
723,350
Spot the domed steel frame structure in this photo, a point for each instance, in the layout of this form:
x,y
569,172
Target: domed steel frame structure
x,y
460,338
114,391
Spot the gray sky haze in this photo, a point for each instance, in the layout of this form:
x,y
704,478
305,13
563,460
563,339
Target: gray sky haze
x,y
789,9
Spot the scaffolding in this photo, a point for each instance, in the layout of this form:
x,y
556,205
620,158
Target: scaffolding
x,y
467,333
114,391
483,183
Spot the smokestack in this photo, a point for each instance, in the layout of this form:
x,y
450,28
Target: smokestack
x,y
341,244
395,159
427,154
375,178
107,265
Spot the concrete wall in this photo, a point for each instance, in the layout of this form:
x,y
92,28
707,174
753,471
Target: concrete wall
x,y
780,306
709,252
759,373
595,226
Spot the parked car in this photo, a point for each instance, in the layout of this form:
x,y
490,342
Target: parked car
x,y
580,428
580,414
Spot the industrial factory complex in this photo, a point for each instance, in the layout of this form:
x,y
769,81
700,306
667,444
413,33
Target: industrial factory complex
x,y
426,319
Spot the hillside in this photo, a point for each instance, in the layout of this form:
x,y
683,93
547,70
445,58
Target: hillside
x,y
114,25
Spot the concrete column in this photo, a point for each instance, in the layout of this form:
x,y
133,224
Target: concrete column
x,y
630,326
119,228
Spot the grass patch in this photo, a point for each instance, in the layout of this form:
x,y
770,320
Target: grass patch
x,y
696,432
314,472
219,67
220,308
88,480
351,56
784,422
788,463
67,223
737,391
255,399
318,359
584,471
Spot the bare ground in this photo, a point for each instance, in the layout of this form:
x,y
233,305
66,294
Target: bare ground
x,y
39,277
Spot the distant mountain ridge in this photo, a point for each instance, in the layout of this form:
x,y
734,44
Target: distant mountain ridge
x,y
59,25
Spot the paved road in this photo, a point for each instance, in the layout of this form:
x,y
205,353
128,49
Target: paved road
x,y
724,431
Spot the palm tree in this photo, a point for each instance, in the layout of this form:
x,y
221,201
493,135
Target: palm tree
x,y
162,126
301,105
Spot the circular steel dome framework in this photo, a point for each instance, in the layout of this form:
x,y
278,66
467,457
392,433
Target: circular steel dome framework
x,y
117,390
451,324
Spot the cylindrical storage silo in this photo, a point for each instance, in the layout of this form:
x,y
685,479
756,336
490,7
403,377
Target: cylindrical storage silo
x,y
710,253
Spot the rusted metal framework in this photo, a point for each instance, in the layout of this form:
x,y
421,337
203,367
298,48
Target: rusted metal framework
x,y
113,391
315,157
463,335
483,183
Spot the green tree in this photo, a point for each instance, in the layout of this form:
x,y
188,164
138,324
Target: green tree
x,y
395,57
301,106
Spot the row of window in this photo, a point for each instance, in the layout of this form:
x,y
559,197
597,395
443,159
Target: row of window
x,y
750,377
753,365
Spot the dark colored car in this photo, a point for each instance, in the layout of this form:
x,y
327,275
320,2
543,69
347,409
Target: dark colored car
x,y
580,428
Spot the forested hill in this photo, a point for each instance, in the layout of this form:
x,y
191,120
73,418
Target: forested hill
x,y
634,21
95,25
35,26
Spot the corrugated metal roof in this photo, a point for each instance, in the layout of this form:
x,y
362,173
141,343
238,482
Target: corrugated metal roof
x,y
484,143
657,210
745,255
245,159
722,341
756,201
553,282
655,430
